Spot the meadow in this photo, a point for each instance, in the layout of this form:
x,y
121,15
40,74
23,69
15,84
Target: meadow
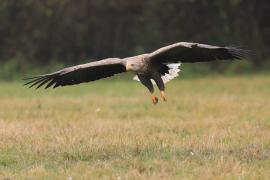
x,y
210,128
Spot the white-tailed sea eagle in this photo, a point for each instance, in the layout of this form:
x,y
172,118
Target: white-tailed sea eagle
x,y
157,67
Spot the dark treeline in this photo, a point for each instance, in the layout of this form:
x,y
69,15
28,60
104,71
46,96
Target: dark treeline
x,y
68,31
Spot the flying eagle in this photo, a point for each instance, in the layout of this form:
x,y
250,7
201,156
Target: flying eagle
x,y
157,67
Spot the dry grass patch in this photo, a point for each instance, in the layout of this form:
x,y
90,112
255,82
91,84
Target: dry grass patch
x,y
213,128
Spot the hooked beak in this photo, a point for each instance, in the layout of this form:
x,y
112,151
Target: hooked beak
x,y
128,67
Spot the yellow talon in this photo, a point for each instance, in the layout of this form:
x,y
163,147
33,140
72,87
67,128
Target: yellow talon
x,y
154,99
163,96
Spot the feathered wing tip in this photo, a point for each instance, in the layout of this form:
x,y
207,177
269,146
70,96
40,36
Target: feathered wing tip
x,y
238,53
38,81
174,70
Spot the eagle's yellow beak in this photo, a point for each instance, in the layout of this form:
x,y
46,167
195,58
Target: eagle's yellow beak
x,y
128,67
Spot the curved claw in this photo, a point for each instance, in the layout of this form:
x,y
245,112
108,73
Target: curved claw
x,y
163,96
154,99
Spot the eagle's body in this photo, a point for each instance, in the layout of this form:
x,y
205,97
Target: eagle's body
x,y
158,67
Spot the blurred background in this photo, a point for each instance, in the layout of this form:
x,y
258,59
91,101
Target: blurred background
x,y
41,36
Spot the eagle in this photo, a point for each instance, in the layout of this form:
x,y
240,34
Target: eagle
x,y
153,68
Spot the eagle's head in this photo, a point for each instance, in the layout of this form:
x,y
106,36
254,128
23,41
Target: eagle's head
x,y
135,63
132,66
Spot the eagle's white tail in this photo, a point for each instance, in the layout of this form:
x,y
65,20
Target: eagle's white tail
x,y
173,73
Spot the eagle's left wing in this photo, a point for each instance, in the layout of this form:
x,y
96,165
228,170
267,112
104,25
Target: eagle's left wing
x,y
79,74
188,52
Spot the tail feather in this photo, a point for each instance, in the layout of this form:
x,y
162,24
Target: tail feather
x,y
173,72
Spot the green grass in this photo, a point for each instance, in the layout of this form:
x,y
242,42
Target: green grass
x,y
210,128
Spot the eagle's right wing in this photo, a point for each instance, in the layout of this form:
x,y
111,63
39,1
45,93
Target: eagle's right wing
x,y
79,74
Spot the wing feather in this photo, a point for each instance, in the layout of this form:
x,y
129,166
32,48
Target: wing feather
x,y
188,52
78,74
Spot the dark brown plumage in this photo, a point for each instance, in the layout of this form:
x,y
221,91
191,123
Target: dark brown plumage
x,y
79,74
158,66
194,52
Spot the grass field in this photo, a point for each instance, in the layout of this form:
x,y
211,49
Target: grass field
x,y
210,128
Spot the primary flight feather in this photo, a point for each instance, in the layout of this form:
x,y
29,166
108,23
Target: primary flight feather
x,y
157,67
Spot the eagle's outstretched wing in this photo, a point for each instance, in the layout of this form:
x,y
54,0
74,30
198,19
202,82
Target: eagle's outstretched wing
x,y
187,52
79,74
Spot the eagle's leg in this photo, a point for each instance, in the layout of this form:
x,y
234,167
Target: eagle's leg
x,y
163,95
147,83
157,78
154,99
